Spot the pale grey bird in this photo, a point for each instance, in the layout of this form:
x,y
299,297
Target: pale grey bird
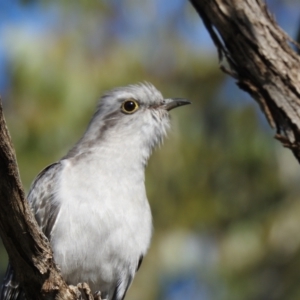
x,y
92,204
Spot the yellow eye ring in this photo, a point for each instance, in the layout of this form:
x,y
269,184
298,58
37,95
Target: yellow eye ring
x,y
130,106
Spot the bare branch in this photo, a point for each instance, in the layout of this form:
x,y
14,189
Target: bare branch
x,y
29,250
260,59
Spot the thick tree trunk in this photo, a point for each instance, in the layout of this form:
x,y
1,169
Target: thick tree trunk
x,y
260,58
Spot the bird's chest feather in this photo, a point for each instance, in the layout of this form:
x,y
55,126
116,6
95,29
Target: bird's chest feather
x,y
104,223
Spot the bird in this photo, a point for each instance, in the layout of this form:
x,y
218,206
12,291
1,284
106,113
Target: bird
x,y
92,203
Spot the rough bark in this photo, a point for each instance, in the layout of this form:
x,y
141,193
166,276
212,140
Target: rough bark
x,y
28,249
260,58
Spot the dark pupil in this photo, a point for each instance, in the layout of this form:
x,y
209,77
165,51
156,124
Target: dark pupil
x,y
129,105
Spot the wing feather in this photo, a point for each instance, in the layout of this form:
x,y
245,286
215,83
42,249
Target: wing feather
x,y
41,197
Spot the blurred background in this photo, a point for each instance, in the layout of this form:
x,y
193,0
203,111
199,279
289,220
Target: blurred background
x,y
224,193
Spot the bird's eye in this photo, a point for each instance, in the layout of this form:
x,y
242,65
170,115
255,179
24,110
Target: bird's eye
x,y
129,106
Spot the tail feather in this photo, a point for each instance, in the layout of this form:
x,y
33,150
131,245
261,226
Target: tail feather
x,y
10,289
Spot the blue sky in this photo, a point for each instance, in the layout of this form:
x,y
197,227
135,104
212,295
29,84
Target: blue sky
x,y
130,22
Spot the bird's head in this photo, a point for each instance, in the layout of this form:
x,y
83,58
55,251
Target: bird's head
x,y
136,113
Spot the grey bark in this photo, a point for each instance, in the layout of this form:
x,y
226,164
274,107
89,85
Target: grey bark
x,y
261,60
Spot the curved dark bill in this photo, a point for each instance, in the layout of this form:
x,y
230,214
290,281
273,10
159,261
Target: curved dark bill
x,y
175,102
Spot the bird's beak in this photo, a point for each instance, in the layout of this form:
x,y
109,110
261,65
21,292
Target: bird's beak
x,y
174,102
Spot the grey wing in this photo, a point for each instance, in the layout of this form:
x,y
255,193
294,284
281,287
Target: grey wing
x,y
45,210
41,197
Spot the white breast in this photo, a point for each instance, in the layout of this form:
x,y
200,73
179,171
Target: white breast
x,y
104,223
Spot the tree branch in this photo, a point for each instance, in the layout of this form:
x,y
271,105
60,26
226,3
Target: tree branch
x,y
260,59
28,249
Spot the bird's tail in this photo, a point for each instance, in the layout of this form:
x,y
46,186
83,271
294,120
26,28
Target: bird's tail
x,y
10,288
